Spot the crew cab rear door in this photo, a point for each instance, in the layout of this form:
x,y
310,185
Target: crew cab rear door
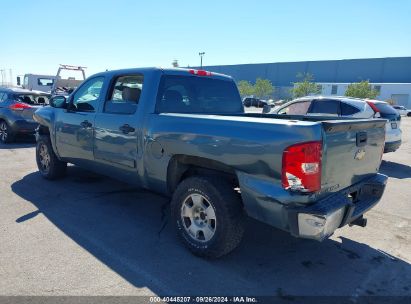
x,y
115,138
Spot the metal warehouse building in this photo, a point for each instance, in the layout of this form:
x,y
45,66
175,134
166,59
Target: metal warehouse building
x,y
379,71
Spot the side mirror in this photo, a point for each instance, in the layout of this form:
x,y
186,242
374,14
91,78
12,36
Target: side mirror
x,y
18,80
58,102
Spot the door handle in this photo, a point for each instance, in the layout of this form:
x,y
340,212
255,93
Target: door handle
x,y
361,139
86,124
126,129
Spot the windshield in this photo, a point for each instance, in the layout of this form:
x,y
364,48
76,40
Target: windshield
x,y
192,94
33,99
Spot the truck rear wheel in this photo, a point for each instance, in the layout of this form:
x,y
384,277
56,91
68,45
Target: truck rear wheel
x,y
48,164
208,216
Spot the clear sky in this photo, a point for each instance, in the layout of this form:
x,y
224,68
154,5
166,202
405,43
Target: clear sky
x,y
38,35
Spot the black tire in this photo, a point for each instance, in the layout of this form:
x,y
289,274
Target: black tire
x,y
6,136
229,215
55,168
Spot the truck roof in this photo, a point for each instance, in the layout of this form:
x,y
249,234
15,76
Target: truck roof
x,y
171,71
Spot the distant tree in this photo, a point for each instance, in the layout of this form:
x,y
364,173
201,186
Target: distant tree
x,y
390,101
245,88
175,63
361,89
306,86
263,88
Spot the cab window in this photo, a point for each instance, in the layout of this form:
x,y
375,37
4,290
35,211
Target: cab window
x,y
192,94
45,81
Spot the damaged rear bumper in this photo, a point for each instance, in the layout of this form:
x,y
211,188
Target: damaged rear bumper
x,y
319,220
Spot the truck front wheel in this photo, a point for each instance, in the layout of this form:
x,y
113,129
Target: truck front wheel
x,y
208,216
48,164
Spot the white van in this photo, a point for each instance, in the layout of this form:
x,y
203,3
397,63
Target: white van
x,y
35,82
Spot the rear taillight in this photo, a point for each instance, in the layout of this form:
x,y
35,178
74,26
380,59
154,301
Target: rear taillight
x,y
302,167
200,72
19,106
373,107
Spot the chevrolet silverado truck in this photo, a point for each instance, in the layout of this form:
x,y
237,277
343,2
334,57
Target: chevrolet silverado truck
x,y
183,133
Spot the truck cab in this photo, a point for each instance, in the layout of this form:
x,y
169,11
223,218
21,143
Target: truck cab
x,y
183,133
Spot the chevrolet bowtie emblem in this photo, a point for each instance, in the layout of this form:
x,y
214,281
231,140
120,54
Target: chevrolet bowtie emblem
x,y
359,154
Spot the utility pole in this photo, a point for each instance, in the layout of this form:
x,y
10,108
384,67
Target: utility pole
x,y
201,54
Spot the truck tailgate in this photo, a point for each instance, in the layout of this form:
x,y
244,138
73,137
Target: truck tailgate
x,y
352,151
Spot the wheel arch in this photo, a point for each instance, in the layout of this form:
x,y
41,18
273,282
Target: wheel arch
x,y
181,167
42,130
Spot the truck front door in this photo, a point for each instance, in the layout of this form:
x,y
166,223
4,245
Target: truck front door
x,y
115,139
75,126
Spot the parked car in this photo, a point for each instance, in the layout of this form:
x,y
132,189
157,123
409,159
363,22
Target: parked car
x,y
401,109
254,102
184,133
348,107
16,111
393,132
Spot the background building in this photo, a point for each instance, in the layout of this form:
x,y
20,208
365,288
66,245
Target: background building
x,y
392,74
398,92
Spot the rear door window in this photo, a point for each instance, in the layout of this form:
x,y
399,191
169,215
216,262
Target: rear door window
x,y
33,99
194,94
298,108
325,106
124,95
347,110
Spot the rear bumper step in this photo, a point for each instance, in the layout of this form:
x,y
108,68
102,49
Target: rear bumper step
x,y
319,220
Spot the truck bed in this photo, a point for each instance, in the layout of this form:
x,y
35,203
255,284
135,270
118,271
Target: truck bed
x,y
254,143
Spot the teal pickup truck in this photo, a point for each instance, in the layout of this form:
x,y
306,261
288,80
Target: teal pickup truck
x,y
184,133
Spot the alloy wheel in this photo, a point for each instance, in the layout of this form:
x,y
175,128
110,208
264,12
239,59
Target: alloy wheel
x,y
198,217
44,157
3,131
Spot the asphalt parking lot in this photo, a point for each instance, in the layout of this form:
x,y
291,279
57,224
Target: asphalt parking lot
x,y
91,235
